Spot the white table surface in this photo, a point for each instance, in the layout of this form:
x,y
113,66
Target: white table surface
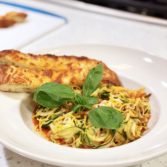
x,y
87,27
84,27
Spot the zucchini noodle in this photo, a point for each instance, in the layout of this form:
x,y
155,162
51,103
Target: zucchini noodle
x,y
62,126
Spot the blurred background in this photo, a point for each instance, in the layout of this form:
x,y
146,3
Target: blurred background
x,y
155,8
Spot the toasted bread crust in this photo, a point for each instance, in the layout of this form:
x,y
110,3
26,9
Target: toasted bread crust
x,y
11,18
18,79
30,71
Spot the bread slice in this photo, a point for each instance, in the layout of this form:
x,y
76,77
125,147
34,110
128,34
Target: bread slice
x,y
11,18
21,72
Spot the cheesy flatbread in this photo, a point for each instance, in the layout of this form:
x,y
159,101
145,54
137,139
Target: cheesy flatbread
x,y
21,72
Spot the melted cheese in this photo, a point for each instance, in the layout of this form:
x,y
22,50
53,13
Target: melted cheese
x,y
29,71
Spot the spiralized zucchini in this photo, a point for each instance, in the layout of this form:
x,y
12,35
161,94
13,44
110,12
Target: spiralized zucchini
x,y
60,125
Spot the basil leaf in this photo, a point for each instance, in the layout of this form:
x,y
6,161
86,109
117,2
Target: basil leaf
x,y
93,80
77,108
52,94
83,102
79,99
92,100
106,117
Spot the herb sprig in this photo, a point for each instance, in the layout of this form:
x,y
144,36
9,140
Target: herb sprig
x,y
52,95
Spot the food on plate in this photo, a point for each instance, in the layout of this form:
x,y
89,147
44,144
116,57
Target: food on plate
x,y
79,101
11,18
94,115
20,72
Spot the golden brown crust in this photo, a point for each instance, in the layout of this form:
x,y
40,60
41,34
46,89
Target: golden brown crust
x,y
18,79
31,71
11,18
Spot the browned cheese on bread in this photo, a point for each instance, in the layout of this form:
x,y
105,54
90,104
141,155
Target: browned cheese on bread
x,y
21,72
11,18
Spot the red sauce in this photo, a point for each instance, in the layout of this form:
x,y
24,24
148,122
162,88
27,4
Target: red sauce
x,y
45,131
35,121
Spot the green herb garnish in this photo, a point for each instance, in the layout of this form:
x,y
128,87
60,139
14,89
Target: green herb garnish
x,y
106,117
52,95
84,102
93,80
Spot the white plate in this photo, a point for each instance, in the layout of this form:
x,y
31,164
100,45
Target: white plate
x,y
136,69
